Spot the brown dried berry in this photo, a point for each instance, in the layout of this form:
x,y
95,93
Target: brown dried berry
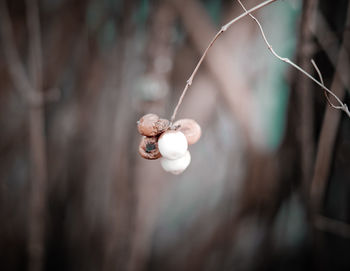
x,y
190,128
162,125
148,148
152,125
147,125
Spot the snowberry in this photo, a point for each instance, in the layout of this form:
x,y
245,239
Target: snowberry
x,y
190,128
176,166
172,144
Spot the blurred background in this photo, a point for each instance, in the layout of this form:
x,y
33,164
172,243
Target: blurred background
x,y
269,183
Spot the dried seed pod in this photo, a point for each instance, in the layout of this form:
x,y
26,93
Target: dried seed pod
x,y
148,148
172,144
176,166
152,125
190,128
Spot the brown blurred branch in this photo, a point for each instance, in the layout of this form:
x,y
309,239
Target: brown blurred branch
x,y
305,97
30,88
333,226
35,50
149,186
16,68
37,144
330,126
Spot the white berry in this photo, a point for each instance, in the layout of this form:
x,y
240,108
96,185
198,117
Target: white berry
x,y
176,166
172,144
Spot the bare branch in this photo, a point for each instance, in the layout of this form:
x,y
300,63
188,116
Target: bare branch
x,y
16,68
333,226
35,50
321,79
342,106
318,71
222,30
38,159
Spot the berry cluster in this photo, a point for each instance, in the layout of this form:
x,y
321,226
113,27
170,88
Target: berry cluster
x,y
167,141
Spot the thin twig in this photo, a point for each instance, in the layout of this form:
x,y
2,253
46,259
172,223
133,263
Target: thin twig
x,y
318,72
223,29
342,106
321,79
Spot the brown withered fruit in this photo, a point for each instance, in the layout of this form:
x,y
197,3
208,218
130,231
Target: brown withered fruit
x,y
148,148
152,125
190,128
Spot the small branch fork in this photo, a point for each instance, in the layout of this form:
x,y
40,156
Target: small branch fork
x,y
321,80
342,106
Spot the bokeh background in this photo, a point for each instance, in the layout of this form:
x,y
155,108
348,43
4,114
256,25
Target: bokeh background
x,y
268,187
